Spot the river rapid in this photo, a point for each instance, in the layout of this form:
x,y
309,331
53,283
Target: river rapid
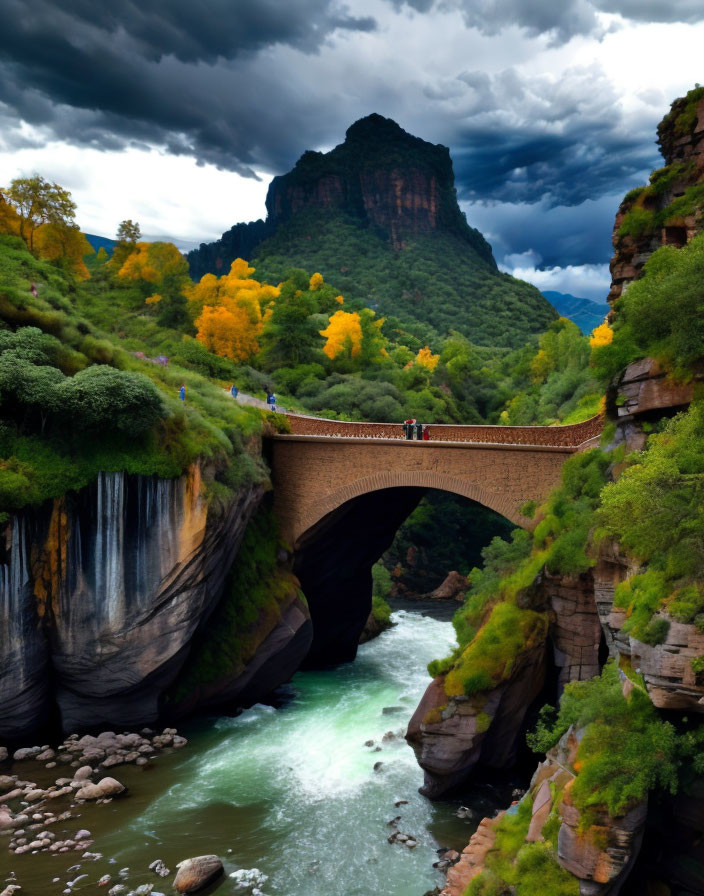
x,y
291,791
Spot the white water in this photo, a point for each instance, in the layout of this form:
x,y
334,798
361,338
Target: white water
x,y
292,791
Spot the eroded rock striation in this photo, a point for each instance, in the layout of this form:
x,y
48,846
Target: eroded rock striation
x,y
108,587
668,212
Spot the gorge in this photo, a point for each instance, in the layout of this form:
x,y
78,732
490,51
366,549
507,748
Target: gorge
x,y
170,553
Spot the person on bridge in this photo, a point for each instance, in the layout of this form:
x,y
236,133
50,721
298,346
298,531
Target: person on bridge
x,y
426,432
408,428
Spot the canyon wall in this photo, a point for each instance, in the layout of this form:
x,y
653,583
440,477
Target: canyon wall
x,y
101,593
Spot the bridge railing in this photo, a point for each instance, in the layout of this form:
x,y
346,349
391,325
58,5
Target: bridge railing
x,y
571,436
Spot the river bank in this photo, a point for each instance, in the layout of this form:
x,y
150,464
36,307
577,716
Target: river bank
x,y
304,792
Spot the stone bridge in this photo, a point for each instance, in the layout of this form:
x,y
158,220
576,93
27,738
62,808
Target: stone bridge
x,y
323,464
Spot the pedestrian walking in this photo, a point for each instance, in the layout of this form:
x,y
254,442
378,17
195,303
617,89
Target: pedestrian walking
x,y
182,392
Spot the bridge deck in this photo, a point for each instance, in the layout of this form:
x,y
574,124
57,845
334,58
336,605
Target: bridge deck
x,y
563,438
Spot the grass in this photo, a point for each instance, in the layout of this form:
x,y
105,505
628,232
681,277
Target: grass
x,y
513,866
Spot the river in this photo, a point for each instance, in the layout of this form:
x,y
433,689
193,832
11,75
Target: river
x,y
291,791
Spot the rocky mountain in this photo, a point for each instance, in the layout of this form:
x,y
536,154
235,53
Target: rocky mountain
x,y
668,211
378,217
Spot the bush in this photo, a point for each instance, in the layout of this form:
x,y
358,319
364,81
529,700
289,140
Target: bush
x,y
626,751
101,397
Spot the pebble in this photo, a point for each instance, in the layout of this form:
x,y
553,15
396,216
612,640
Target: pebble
x,y
158,867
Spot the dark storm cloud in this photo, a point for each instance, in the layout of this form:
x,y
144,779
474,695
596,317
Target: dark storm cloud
x,y
529,139
171,74
578,235
559,20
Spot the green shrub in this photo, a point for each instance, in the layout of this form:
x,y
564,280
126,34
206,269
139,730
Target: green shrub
x,y
626,750
661,315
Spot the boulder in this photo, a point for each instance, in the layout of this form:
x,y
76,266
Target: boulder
x,y
196,873
453,588
106,787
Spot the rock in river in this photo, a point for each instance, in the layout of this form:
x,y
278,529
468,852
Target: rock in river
x,y
194,874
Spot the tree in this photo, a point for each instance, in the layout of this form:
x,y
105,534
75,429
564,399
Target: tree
x,y
129,232
101,398
9,219
343,335
425,358
65,245
37,202
161,270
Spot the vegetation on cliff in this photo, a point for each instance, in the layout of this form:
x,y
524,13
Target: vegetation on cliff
x,y
514,866
75,401
626,750
656,513
498,623
258,589
660,316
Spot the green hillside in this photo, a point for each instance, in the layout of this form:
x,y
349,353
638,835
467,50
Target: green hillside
x,y
378,217
436,281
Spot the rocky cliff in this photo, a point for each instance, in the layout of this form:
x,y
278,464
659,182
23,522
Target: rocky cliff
x,y
106,589
667,212
391,180
453,736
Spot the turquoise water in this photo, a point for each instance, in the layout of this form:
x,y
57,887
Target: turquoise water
x,y
291,791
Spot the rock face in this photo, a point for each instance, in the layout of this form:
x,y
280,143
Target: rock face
x,y
109,587
381,175
453,588
451,735
643,393
681,140
278,655
396,182
666,667
575,629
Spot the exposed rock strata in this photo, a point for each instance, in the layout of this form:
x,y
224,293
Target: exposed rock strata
x,y
678,145
644,392
666,668
451,735
109,587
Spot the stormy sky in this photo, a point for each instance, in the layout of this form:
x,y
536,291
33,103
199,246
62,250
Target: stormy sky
x,y
177,113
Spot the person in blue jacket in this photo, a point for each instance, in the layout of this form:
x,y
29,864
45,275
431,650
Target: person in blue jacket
x,y
270,398
234,390
182,392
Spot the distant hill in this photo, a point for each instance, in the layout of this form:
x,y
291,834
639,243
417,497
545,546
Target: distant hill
x,y
586,313
378,217
101,242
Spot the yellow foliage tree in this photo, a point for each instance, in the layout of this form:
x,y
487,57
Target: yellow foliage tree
x,y
425,358
339,300
65,245
156,263
228,311
343,335
228,332
602,335
9,219
316,281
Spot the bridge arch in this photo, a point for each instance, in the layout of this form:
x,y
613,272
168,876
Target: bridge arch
x,y
426,479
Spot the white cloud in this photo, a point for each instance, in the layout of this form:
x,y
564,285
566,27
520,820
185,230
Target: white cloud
x,y
170,196
590,281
